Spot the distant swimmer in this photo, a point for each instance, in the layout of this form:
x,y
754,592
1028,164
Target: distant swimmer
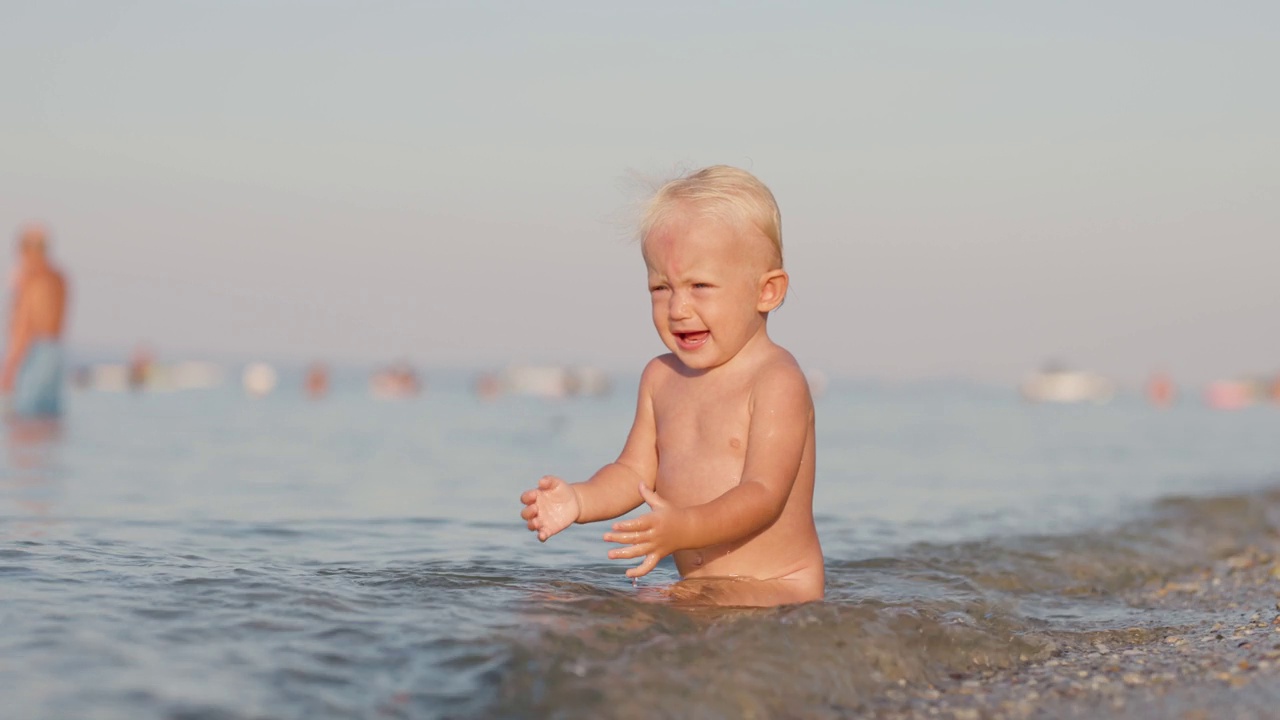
x,y
317,382
396,382
1160,390
141,367
31,379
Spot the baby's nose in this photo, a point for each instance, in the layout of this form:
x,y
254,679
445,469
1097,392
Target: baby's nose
x,y
678,307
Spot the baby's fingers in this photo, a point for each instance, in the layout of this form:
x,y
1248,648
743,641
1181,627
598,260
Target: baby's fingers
x,y
634,525
529,512
529,496
630,551
650,562
625,538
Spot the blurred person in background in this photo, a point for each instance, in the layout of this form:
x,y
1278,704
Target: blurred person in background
x,y
1160,389
31,379
141,366
317,382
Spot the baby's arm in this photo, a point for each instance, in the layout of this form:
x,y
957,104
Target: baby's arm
x,y
613,490
781,412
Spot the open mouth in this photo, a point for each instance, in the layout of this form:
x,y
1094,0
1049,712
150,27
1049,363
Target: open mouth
x,y
691,340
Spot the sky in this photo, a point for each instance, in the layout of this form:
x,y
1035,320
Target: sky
x,y
968,189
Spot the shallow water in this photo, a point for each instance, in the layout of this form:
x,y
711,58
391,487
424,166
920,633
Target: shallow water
x,y
204,555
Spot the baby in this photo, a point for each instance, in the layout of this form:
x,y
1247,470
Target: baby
x,y
722,447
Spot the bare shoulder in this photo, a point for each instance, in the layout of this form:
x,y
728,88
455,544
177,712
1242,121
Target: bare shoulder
x,y
780,382
658,371
49,281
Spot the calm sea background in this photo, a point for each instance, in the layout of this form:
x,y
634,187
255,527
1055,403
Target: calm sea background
x,y
204,555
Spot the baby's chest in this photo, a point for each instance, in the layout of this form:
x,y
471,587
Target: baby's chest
x,y
711,428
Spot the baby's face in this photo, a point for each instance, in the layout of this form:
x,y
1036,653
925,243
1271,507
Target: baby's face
x,y
704,278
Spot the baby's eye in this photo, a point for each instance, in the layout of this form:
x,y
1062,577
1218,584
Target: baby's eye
x,y
701,286
657,288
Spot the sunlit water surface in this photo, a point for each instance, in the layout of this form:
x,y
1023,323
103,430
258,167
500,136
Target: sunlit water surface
x,y
201,554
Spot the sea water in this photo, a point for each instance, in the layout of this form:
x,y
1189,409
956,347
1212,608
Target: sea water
x,y
205,555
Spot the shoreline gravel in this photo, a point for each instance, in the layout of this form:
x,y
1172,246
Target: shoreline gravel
x,y
1226,666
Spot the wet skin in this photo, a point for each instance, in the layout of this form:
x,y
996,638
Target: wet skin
x,y
722,447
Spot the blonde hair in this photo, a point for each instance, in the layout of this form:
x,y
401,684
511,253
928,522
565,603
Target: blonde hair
x,y
723,190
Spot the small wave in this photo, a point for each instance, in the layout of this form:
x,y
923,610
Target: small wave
x,y
492,637
927,613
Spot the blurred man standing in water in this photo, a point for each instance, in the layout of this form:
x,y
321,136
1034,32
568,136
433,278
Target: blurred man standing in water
x,y
31,379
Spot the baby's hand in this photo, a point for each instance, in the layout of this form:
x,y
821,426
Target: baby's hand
x,y
550,507
654,536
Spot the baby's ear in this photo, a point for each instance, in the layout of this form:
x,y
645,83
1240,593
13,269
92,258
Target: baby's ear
x,y
773,290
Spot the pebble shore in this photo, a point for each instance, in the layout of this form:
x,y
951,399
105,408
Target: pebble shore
x,y
1224,666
